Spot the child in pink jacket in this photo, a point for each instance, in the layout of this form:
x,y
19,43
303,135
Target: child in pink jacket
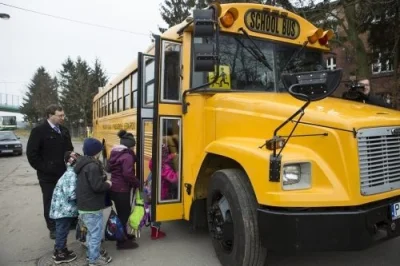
x,y
169,180
169,177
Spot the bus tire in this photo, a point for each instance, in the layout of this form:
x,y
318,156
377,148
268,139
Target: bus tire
x,y
235,235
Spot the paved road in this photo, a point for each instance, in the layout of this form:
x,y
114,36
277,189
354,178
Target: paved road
x,y
24,238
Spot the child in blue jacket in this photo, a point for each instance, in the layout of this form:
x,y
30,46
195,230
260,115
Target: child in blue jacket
x,y
64,209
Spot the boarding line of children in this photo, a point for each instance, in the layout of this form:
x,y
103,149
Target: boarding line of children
x,y
81,191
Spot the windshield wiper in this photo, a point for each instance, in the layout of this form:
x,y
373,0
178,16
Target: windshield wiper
x,y
7,139
294,55
255,51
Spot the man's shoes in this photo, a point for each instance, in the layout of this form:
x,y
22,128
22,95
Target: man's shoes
x,y
62,257
52,234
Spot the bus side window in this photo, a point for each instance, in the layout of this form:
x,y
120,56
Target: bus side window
x,y
170,160
171,72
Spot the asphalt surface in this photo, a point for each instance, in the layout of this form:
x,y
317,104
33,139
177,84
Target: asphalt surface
x,y
24,238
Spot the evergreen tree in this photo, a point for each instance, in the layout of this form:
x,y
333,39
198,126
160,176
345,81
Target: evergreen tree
x,y
41,92
175,11
80,84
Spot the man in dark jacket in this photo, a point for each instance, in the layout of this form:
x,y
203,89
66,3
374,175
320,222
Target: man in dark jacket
x,y
366,95
45,150
90,194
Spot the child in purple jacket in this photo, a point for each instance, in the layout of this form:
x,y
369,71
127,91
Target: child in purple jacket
x,y
122,168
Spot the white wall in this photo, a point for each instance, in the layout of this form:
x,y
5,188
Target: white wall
x,y
20,117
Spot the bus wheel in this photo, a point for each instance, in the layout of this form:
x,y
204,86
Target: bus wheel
x,y
232,219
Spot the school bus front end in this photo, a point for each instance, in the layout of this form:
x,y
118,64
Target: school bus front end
x,y
283,171
339,175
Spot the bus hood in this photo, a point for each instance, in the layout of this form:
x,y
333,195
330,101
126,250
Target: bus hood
x,y
332,112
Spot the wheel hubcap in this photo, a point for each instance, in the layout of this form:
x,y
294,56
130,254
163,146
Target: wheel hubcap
x,y
221,223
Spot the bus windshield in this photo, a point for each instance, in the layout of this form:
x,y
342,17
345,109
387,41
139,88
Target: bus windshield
x,y
257,64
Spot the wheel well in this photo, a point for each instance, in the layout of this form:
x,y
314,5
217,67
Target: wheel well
x,y
212,163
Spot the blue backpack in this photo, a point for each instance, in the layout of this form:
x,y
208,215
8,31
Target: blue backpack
x,y
114,228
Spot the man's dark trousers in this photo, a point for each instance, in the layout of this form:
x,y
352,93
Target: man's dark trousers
x,y
47,192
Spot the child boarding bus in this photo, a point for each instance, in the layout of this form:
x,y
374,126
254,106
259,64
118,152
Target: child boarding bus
x,y
265,158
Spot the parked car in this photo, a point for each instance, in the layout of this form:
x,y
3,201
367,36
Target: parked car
x,y
10,143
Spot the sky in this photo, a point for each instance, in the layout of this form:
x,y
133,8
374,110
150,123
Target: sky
x,y
29,40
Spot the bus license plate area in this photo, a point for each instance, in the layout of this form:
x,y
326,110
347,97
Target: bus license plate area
x,y
395,210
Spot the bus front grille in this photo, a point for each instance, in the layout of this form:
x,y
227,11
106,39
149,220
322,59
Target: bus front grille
x,y
379,159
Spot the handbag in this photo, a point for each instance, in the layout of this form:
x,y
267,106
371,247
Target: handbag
x,y
81,231
114,228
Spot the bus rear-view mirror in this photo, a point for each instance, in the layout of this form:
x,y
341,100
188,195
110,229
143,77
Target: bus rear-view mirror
x,y
312,86
205,57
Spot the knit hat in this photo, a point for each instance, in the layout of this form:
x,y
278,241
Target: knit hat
x,y
92,147
126,139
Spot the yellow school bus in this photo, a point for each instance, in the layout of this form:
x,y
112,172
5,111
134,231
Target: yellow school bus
x,y
265,157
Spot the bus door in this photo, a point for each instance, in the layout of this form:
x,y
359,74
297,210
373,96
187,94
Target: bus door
x,y
167,198
145,114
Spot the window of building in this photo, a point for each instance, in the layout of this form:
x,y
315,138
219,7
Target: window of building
x,y
331,63
382,63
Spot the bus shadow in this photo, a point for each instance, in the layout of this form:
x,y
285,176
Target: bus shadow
x,y
382,254
385,253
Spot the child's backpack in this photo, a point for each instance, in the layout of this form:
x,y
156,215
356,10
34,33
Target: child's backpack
x,y
114,228
140,215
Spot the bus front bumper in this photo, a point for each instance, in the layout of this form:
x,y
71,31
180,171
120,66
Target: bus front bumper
x,y
317,229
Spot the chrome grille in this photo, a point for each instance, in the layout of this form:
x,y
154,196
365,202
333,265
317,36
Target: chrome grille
x,y
379,159
7,146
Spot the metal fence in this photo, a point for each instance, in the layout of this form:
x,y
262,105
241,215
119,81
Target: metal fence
x,y
80,132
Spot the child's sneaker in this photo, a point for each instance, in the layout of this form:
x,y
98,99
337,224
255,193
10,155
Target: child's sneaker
x,y
102,260
62,257
103,253
69,252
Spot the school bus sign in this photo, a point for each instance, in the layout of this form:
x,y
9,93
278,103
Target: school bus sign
x,y
272,23
224,78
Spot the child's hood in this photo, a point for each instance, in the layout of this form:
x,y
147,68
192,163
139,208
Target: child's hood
x,y
117,152
82,162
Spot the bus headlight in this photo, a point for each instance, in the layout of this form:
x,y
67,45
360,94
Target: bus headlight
x,y
296,176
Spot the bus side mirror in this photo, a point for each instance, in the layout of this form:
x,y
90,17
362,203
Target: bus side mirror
x,y
312,86
204,24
